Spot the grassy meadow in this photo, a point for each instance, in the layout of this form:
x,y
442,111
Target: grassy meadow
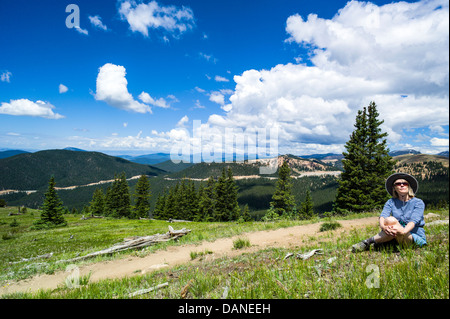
x,y
409,273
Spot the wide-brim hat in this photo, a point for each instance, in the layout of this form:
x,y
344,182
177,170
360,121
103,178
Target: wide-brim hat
x,y
411,180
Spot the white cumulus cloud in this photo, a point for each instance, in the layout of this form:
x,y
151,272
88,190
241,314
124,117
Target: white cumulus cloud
x,y
401,44
142,17
183,121
97,22
6,76
63,88
82,31
395,55
112,89
146,98
439,141
25,107
219,78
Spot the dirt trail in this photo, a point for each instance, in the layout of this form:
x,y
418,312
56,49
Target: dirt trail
x,y
174,255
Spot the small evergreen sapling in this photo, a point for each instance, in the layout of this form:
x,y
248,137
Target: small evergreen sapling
x,y
52,209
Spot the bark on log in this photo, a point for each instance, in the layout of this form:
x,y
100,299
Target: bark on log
x,y
134,243
49,255
145,291
179,221
89,217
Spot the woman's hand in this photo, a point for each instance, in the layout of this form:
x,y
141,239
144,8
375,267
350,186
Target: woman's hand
x,y
391,231
400,231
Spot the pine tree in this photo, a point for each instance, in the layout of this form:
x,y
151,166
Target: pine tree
x,y
246,214
366,165
170,208
227,207
108,202
221,212
207,201
158,212
182,200
198,216
283,202
232,193
306,210
381,163
192,201
52,208
118,198
98,203
142,196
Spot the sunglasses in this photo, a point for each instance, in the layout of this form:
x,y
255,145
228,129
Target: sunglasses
x,y
401,184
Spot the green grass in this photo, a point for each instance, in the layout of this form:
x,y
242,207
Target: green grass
x,y
197,254
241,243
81,237
329,225
410,273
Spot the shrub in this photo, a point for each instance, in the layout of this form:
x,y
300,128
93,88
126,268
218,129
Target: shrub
x,y
330,225
14,223
241,243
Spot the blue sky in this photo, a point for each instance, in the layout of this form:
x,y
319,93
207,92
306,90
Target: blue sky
x,y
135,76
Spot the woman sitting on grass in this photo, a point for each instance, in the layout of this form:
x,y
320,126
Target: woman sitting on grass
x,y
402,216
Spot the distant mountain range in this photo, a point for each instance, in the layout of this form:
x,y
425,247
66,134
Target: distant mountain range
x,y
29,171
147,159
163,161
9,153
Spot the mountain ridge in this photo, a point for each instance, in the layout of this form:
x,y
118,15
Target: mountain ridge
x,y
30,171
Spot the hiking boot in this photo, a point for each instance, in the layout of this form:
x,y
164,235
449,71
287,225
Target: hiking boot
x,y
361,246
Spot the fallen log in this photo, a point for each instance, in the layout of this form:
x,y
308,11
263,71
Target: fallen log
x,y
134,243
310,254
89,217
46,256
179,221
306,255
146,291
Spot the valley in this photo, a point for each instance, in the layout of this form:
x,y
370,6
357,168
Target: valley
x,y
24,177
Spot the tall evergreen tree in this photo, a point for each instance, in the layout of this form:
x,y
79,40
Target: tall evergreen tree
x,y
97,206
158,212
119,202
207,201
366,165
246,214
306,210
108,202
221,212
192,200
142,197
182,200
227,207
283,201
52,208
198,216
170,208
231,199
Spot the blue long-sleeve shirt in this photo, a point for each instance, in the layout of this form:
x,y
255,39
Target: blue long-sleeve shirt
x,y
405,212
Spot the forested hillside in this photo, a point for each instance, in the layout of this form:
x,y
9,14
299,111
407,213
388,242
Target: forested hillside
x,y
31,171
251,168
432,172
